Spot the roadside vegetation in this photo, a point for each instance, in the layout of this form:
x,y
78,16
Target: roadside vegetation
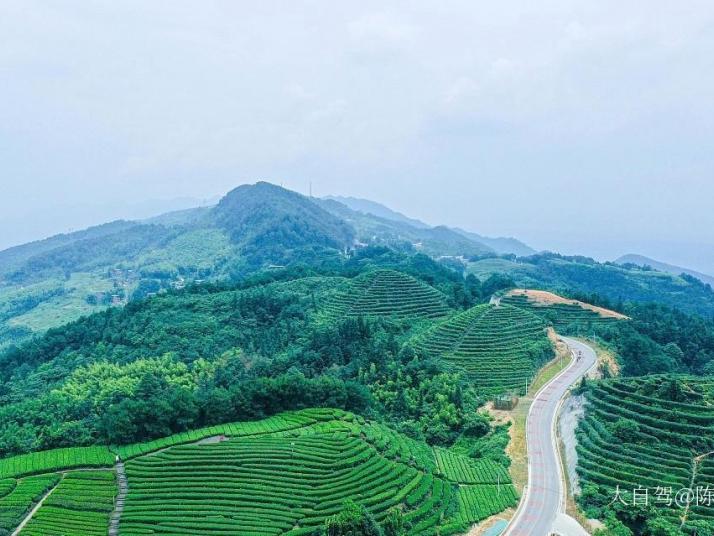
x,y
646,339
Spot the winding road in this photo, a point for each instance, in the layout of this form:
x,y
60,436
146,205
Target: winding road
x,y
542,508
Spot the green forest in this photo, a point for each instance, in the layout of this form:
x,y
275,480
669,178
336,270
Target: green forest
x,y
220,353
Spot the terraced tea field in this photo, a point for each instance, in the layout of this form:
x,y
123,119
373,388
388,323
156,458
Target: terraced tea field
x,y
18,496
79,506
55,460
499,347
282,475
654,435
568,316
289,482
388,293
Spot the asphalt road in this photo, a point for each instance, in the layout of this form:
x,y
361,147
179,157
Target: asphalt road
x,y
544,499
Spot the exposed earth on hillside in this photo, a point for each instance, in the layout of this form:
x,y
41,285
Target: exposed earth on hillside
x,y
545,298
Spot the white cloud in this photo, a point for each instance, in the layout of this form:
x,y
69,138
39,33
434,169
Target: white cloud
x,y
445,111
381,30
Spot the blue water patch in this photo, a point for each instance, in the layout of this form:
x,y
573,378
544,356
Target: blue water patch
x,y
497,529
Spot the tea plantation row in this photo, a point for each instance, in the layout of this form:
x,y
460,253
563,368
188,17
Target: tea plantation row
x,y
283,475
387,293
499,347
566,317
648,442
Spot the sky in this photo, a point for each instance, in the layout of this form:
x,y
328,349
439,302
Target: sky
x,y
576,126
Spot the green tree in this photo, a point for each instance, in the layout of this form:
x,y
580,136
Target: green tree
x,y
662,527
625,429
393,524
353,520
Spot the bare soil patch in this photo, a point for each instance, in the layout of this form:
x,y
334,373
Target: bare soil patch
x,y
543,297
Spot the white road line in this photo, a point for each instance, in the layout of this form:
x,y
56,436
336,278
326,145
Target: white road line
x,y
538,519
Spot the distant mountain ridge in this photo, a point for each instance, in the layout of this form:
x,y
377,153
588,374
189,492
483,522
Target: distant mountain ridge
x,y
437,241
642,261
502,245
499,245
246,218
49,282
56,280
265,215
377,209
15,256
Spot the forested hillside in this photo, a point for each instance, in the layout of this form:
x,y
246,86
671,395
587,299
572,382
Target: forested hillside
x,y
50,282
375,230
641,261
212,353
332,335
416,228
646,338
254,227
616,283
272,302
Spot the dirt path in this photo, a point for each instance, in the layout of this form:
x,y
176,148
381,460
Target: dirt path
x,y
696,464
121,497
36,508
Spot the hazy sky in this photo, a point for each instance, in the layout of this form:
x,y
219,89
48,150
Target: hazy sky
x,y
576,126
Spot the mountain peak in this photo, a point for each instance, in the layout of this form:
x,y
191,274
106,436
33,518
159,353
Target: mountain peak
x,y
269,217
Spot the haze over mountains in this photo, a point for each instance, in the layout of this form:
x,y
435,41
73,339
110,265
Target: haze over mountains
x,y
46,283
74,215
58,217
641,260
377,209
499,245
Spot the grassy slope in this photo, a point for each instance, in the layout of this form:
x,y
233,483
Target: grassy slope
x,y
67,307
